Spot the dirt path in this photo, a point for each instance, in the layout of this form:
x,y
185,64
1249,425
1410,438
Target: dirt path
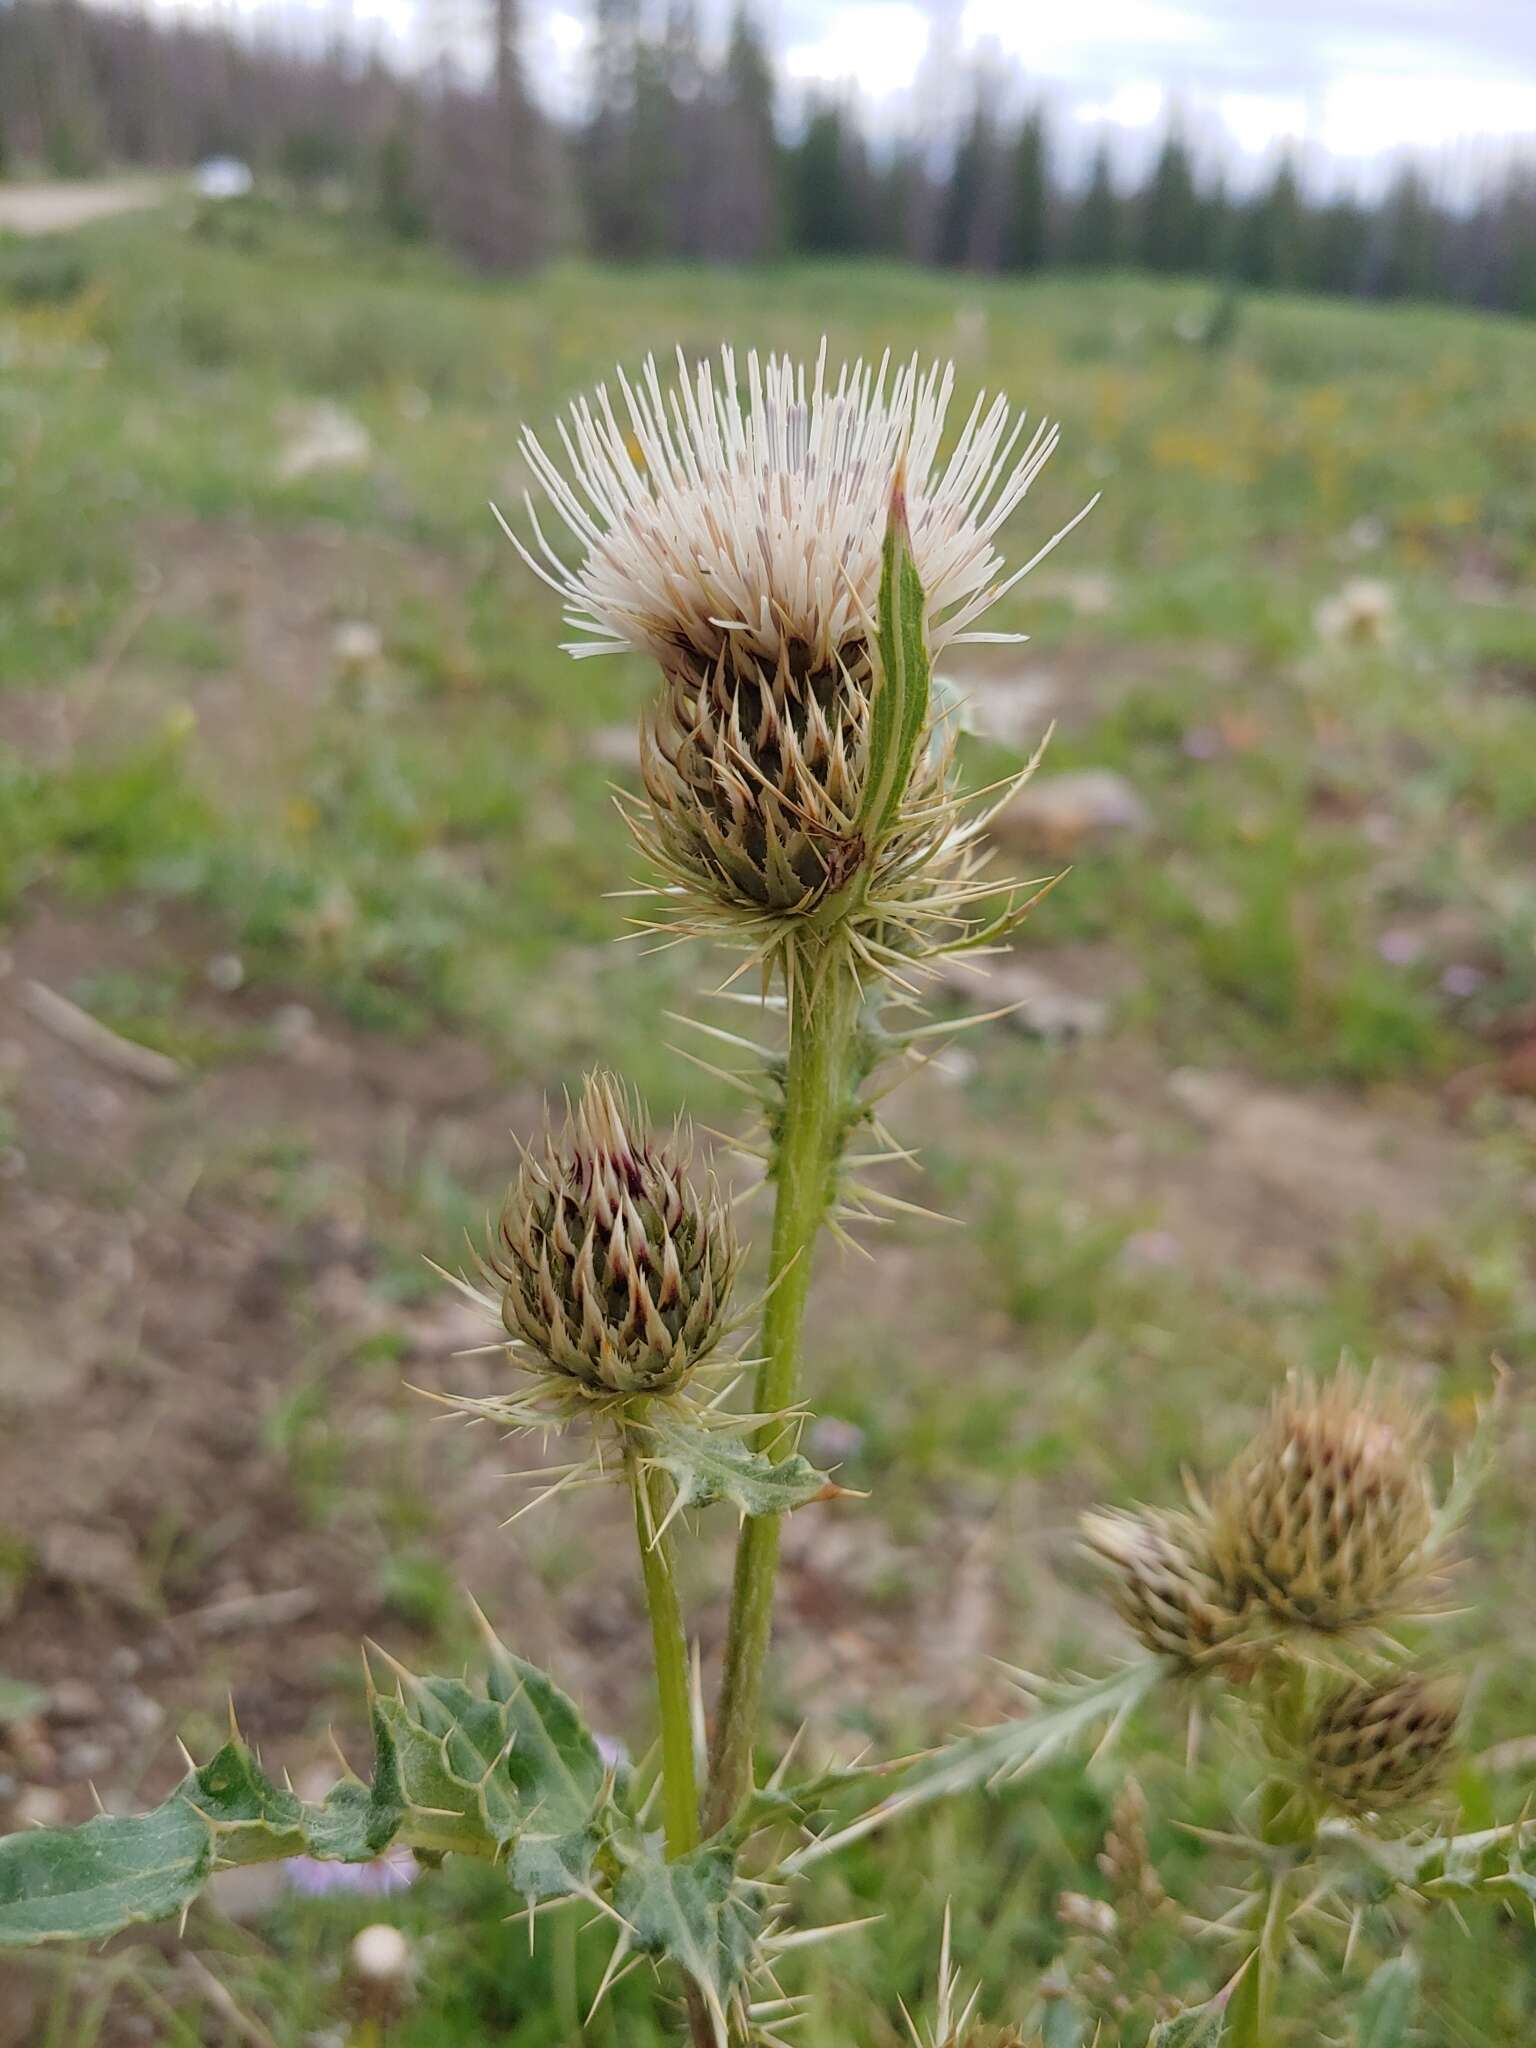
x,y
55,209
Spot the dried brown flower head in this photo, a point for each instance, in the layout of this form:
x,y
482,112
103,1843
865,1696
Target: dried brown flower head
x,y
1164,1584
615,1271
1376,1747
1325,1518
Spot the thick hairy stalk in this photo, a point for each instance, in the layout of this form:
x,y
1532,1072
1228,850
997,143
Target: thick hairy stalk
x,y
669,1646
823,1012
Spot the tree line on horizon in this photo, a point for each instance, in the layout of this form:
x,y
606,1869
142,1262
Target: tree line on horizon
x,y
682,156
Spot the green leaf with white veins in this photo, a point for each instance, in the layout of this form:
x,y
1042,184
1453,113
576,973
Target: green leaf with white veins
x,y
511,1770
709,1465
81,1884
697,1913
507,1771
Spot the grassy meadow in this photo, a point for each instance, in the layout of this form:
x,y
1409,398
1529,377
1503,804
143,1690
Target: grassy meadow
x,y
298,792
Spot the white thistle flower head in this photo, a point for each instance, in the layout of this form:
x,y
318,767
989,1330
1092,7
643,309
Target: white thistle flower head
x,y
1361,613
732,529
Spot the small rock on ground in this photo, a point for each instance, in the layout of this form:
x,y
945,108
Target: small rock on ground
x,y
1056,813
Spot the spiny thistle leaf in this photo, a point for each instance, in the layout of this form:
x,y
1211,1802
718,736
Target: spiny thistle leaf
x,y
1492,1862
513,1770
1388,2004
900,703
251,1819
509,1772
708,1465
80,1884
356,1822
993,1756
696,1912
799,1801
557,1772
1199,2026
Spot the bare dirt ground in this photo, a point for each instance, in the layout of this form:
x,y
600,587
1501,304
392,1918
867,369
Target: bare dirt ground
x,y
55,209
202,1365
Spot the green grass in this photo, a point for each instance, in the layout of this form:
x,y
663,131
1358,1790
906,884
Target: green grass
x,y
428,847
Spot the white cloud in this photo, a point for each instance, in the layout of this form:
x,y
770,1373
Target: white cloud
x,y
1256,121
1133,106
878,48
1076,40
1367,112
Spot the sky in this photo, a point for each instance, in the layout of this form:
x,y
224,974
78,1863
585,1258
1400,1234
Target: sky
x,y
1352,83
1355,82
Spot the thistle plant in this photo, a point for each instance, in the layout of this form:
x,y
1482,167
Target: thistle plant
x,y
792,548
1286,1604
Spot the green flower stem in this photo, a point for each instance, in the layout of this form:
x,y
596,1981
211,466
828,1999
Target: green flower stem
x,y
1285,1827
669,1645
824,1008
1251,2015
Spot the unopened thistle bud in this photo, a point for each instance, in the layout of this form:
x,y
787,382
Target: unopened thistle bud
x,y
1326,1517
615,1271
1163,1584
735,535
1376,1747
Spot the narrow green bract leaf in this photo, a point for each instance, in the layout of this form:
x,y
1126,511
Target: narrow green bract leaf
x,y
1388,2004
697,1913
994,1756
708,1465
899,708
79,1884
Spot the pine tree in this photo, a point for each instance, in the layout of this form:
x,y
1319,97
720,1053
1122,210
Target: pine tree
x,y
743,173
1171,237
967,228
904,208
1271,248
494,168
1340,246
615,210
1407,263
820,196
397,182
678,150
1094,239
1028,224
